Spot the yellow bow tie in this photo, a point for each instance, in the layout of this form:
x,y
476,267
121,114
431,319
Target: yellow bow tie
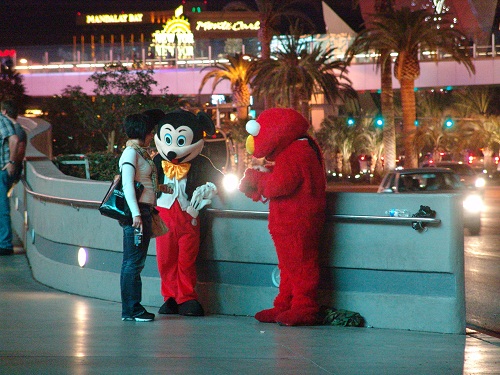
x,y
177,171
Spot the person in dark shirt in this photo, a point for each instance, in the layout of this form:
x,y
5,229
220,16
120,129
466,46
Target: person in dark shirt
x,y
8,152
10,110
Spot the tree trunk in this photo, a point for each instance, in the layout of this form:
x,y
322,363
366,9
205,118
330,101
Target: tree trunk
x,y
409,117
338,162
242,112
436,155
373,162
111,141
265,37
346,165
488,161
387,99
378,171
304,109
241,97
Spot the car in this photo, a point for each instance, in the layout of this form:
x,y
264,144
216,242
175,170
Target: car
x,y
436,180
470,178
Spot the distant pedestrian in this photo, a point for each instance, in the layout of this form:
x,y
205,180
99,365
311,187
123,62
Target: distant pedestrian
x,y
8,151
10,110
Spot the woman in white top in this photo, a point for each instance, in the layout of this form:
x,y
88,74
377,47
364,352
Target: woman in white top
x,y
136,165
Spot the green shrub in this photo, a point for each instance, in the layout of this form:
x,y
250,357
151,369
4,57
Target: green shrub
x,y
103,166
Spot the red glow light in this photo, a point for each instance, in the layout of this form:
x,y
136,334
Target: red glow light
x,y
8,53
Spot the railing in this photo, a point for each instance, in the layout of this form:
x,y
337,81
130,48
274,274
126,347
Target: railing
x,y
88,57
247,214
73,58
76,203
81,159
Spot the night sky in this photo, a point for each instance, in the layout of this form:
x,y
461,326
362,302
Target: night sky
x,y
49,22
35,22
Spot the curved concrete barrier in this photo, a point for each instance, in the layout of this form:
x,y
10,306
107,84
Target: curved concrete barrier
x,y
394,276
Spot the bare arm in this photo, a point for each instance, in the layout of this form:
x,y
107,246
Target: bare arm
x,y
21,151
13,148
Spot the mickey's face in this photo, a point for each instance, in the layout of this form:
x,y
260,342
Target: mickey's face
x,y
180,136
176,144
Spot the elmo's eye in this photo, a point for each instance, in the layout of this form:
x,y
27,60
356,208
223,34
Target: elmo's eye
x,y
168,139
253,128
181,141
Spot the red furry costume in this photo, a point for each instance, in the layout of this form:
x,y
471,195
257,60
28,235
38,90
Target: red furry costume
x,y
295,187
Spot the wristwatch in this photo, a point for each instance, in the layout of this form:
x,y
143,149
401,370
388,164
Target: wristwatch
x,y
12,162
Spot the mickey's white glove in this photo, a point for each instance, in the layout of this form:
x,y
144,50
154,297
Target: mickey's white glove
x,y
202,196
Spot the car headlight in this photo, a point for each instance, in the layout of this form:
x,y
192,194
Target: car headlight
x,y
480,182
473,203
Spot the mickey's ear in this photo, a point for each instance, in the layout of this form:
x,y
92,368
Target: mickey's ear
x,y
206,123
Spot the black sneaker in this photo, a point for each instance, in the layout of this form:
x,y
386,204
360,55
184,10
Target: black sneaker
x,y
191,308
143,317
169,307
6,251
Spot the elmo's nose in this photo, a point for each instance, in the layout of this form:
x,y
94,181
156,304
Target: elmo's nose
x,y
250,145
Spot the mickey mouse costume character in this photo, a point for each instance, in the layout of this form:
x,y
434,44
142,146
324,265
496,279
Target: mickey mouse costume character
x,y
295,186
186,187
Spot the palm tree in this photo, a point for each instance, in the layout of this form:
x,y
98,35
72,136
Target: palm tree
x,y
480,128
484,134
363,44
238,72
433,109
272,13
11,85
294,74
433,135
473,101
371,140
406,32
335,137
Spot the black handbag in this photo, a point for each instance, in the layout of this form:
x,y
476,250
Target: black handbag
x,y
114,204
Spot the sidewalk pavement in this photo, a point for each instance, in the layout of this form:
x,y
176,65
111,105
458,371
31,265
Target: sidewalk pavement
x,y
44,331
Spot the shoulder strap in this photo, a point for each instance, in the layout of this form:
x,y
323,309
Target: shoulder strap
x,y
141,151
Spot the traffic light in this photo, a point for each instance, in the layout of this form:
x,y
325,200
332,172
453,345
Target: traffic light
x,y
449,123
350,121
379,122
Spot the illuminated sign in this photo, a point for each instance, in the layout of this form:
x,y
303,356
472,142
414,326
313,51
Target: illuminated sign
x,y
8,53
114,18
33,112
214,25
226,26
175,39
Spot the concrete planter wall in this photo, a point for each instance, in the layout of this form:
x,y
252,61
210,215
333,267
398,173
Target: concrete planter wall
x,y
394,276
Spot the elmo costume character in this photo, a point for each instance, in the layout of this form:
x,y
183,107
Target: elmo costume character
x,y
294,183
184,175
